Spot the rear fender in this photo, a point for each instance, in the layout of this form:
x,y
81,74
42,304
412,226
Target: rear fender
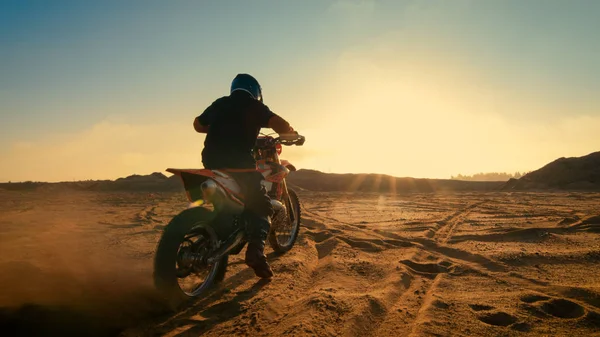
x,y
192,179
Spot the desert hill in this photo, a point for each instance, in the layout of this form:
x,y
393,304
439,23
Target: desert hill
x,y
154,182
310,180
574,173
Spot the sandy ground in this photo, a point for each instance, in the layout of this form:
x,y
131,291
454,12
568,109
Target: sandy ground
x,y
484,264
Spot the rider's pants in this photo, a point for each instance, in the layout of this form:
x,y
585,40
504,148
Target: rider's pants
x,y
257,205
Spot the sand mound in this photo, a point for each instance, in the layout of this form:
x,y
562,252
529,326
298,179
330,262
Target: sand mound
x,y
576,173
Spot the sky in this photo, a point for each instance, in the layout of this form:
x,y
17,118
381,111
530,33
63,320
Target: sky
x,y
427,89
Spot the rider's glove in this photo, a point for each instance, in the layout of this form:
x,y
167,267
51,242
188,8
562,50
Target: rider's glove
x,y
289,136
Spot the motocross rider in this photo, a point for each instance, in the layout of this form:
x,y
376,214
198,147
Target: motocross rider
x,y
232,124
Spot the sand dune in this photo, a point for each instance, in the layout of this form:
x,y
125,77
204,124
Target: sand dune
x,y
365,264
575,173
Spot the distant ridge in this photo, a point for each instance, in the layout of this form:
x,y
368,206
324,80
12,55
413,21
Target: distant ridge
x,y
154,182
310,180
574,173
350,182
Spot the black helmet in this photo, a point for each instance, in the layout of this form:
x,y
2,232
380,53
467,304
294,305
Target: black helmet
x,y
248,84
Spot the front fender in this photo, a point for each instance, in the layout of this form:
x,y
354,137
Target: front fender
x,y
288,165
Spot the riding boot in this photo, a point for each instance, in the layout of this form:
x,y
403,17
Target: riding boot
x,y
256,214
257,230
256,259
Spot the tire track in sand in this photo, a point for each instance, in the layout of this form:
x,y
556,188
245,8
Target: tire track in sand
x,y
404,306
448,225
442,234
365,265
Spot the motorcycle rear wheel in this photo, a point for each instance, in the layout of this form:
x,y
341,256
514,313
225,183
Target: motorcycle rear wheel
x,y
180,270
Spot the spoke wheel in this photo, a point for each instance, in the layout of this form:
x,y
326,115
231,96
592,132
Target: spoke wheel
x,y
193,272
285,229
181,269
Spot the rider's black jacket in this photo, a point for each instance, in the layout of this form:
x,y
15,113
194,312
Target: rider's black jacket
x,y
233,122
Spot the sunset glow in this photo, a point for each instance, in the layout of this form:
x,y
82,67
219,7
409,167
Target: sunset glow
x,y
406,88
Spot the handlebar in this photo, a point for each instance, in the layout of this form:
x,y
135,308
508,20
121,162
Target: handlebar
x,y
299,141
271,141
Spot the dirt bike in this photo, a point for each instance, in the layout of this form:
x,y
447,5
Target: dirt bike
x,y
193,251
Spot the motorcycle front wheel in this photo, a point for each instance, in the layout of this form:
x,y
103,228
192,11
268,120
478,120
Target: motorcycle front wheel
x,y
284,231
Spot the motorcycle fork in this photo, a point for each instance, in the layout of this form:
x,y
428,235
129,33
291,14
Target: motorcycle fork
x,y
282,192
286,198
